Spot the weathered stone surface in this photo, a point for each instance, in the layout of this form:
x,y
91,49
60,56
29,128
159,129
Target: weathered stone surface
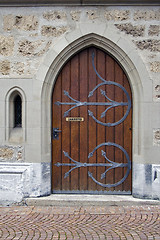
x,y
154,30
156,91
75,15
18,68
92,14
147,15
20,154
150,44
5,67
53,31
156,180
156,137
158,97
19,180
128,28
117,15
143,182
55,15
31,67
6,45
11,153
28,48
6,153
35,48
157,88
155,66
26,23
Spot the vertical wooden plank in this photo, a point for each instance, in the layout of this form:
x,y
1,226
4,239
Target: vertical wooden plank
x,y
56,143
75,125
92,125
65,127
83,56
110,131
128,135
118,128
100,109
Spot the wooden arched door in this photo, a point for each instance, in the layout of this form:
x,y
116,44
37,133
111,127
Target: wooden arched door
x,y
92,126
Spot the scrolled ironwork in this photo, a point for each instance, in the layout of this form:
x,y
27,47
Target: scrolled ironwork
x,y
110,104
110,164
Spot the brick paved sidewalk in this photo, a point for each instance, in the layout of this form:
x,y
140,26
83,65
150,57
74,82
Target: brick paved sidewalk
x,y
109,222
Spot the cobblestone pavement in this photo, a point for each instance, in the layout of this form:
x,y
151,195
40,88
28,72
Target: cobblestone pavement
x,y
109,222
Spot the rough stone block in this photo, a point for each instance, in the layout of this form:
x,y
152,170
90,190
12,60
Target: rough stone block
x,y
147,15
53,31
75,15
6,153
128,28
154,30
6,45
150,44
55,15
117,15
11,153
18,68
25,23
155,66
92,14
34,48
5,67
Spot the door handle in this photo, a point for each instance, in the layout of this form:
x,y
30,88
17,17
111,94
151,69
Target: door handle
x,y
56,132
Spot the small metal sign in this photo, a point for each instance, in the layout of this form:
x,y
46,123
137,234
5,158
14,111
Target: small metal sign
x,y
74,119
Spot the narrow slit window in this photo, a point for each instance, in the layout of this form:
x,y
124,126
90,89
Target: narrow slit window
x,y
17,111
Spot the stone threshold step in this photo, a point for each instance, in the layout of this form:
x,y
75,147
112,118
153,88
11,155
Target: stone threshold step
x,y
88,200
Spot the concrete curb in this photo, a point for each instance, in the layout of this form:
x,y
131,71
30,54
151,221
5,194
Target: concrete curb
x,y
88,200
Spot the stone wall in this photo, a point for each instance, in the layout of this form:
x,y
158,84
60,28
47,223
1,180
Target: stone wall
x,y
27,35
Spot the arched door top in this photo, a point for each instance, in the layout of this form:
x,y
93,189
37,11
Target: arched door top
x,y
105,38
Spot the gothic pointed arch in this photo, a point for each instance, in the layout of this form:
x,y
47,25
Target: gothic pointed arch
x,y
127,57
15,115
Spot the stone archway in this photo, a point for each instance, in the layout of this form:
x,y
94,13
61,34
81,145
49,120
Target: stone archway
x,y
125,54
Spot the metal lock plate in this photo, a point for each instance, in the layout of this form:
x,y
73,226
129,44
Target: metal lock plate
x,y
56,132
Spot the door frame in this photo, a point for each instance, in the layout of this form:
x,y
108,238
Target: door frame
x,y
95,185
124,52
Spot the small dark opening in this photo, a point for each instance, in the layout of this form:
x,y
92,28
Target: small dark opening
x,y
17,111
